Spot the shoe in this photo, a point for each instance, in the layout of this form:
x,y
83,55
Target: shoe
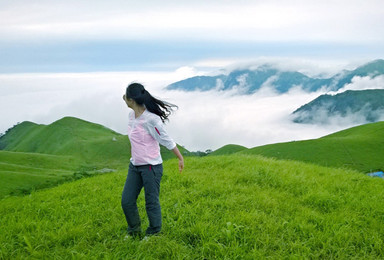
x,y
132,235
148,236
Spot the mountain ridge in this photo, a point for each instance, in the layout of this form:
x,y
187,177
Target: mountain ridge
x,y
248,81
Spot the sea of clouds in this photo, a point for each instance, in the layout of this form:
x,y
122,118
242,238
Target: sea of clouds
x,y
204,120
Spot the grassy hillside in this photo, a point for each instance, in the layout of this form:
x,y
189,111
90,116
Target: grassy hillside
x,y
22,172
359,148
221,207
89,142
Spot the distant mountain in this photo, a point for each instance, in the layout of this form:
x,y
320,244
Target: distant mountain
x,y
357,106
247,81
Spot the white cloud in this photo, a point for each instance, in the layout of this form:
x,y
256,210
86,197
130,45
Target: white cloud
x,y
209,120
361,83
320,67
343,120
186,72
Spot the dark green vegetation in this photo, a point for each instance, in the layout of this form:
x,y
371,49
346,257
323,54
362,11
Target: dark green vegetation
x,y
366,105
36,156
221,207
228,149
282,81
359,148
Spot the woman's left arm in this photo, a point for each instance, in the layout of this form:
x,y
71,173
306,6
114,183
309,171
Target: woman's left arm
x,y
181,159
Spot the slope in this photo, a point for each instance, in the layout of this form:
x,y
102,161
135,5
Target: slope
x,y
221,207
20,173
359,148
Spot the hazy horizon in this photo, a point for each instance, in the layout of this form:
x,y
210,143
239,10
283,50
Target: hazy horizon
x,y
204,120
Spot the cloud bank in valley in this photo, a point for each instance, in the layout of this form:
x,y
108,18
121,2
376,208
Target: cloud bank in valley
x,y
209,120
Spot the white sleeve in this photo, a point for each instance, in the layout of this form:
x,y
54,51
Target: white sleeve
x,y
157,131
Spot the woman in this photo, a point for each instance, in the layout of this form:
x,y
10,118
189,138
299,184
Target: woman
x,y
146,132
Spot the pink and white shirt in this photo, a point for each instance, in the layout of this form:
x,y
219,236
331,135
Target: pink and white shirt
x,y
145,134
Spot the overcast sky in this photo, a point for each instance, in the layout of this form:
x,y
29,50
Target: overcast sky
x,y
74,36
75,58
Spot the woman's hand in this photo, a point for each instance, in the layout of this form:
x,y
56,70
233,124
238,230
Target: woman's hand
x,y
181,165
181,159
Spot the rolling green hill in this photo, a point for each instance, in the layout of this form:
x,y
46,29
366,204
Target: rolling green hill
x,y
34,156
88,142
359,148
221,207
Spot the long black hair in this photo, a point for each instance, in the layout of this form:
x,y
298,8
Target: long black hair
x,y
142,97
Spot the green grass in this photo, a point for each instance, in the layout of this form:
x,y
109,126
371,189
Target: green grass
x,y
359,148
221,207
20,173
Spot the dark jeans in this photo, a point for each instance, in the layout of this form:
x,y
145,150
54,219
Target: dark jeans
x,y
149,177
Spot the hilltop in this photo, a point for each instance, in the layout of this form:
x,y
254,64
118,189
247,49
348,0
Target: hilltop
x,y
228,149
